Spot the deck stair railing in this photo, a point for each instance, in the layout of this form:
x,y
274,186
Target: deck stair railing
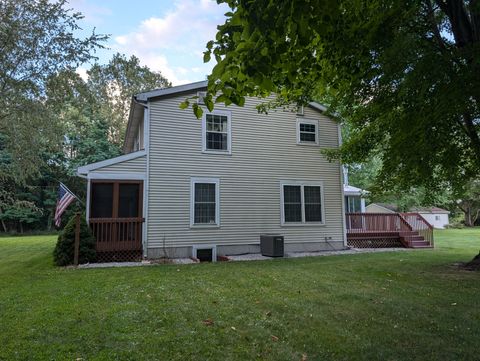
x,y
420,225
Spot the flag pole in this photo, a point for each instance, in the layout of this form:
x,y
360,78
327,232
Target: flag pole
x,y
73,194
77,239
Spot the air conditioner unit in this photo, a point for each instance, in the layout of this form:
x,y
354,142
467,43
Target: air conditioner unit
x,y
271,245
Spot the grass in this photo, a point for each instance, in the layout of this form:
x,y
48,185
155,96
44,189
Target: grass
x,y
387,306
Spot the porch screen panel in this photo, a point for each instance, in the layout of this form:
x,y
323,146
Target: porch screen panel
x,y
128,200
102,200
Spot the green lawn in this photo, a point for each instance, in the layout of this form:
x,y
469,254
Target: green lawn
x,y
385,306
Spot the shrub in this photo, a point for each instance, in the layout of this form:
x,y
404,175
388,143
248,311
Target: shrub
x,y
64,250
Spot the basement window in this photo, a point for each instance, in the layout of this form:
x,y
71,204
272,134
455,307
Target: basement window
x,y
205,253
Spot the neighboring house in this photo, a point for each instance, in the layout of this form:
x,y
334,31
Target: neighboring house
x,y
354,201
187,185
381,208
437,217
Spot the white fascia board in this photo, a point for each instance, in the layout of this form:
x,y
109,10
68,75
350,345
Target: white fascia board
x,y
318,106
117,176
104,163
167,91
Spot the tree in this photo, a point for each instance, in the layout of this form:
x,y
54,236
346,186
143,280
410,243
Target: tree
x,y
63,253
37,41
115,83
404,75
469,203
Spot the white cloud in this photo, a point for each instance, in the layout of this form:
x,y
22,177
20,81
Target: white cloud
x,y
173,43
93,14
83,73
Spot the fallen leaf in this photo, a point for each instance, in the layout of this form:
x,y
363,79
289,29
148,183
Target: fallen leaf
x,y
274,338
208,322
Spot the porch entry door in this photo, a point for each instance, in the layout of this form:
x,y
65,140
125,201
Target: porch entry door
x,y
116,214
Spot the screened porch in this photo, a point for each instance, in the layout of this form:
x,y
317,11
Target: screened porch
x,y
116,218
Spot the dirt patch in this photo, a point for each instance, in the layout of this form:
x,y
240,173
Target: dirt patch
x,y
473,265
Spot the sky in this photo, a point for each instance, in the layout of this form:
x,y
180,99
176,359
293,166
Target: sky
x,y
167,36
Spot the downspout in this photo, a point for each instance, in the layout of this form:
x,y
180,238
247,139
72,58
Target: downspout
x,y
146,184
342,178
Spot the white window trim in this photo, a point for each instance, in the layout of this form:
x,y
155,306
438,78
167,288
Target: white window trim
x,y
215,181
213,247
302,184
226,113
307,121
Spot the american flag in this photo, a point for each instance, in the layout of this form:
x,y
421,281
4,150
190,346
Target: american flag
x,y
65,197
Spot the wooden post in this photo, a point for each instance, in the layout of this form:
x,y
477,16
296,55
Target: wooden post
x,y
77,239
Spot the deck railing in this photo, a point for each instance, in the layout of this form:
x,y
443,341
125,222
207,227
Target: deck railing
x,y
376,222
420,225
117,234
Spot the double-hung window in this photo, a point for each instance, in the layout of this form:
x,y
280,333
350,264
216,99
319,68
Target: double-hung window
x,y
216,128
205,202
302,203
307,131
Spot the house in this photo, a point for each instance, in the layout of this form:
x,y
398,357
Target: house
x,y
381,208
436,216
187,186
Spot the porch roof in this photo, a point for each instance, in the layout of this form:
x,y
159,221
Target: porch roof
x,y
84,170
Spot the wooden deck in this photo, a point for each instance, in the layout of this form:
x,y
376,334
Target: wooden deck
x,y
380,230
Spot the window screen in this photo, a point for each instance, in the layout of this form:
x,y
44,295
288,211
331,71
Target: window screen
x,y
302,203
128,199
102,200
205,206
353,204
308,132
292,200
216,132
313,204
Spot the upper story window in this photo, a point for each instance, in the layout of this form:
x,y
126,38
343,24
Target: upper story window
x,y
307,131
302,203
216,128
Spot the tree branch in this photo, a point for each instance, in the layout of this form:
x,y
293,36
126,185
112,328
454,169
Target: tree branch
x,y
433,23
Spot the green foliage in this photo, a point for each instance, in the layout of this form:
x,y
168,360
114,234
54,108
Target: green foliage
x,y
113,85
37,42
64,250
404,75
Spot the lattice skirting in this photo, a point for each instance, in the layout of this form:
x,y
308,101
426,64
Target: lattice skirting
x,y
374,243
119,256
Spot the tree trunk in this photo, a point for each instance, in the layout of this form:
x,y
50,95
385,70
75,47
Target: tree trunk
x,y
4,225
468,217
